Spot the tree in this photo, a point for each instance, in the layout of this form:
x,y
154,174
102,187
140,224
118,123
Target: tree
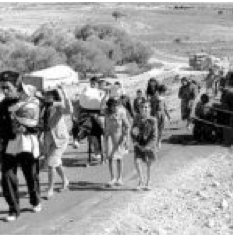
x,y
86,57
25,57
52,35
117,14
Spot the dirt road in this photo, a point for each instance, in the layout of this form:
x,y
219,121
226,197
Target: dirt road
x,y
89,203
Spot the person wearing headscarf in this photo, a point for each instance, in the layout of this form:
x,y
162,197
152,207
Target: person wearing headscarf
x,y
211,80
152,88
19,114
187,93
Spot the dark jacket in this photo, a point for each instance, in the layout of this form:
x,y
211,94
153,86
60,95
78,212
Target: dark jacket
x,y
136,104
6,130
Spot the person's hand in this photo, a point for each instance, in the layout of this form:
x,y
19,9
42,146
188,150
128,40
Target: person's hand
x,y
135,131
21,129
140,147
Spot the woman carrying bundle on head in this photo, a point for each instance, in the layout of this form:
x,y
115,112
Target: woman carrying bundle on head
x,y
56,136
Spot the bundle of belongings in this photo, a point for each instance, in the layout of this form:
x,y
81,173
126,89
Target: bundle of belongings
x,y
91,98
25,115
88,123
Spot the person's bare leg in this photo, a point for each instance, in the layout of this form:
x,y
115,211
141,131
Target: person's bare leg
x,y
148,174
51,176
119,172
111,171
137,163
61,173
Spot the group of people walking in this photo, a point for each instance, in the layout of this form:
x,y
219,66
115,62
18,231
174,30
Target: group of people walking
x,y
23,133
32,124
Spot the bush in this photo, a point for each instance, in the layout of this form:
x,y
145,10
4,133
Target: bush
x,y
123,48
7,36
25,57
220,12
89,49
117,14
86,57
53,36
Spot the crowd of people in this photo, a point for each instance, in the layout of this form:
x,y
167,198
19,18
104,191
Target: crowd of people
x,y
32,124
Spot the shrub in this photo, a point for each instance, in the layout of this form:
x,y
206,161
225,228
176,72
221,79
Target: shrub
x,y
220,12
89,49
117,14
25,57
10,35
53,36
86,57
177,40
123,48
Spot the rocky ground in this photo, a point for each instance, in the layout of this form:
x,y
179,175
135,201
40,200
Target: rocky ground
x,y
197,200
191,195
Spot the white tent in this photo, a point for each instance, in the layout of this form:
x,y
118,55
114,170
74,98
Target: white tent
x,y
52,77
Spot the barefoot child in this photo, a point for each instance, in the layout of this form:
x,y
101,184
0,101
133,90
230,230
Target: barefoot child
x,y
161,112
116,133
144,135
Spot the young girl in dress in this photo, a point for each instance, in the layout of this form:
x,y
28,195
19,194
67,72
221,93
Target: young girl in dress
x,y
116,133
144,134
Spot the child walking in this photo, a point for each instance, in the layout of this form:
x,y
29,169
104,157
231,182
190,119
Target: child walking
x,y
160,111
144,134
56,137
116,133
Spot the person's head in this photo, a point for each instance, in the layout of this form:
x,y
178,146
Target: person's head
x,y
26,91
213,71
102,84
10,82
51,96
153,82
184,81
145,108
112,104
94,82
139,93
152,86
205,99
162,89
118,84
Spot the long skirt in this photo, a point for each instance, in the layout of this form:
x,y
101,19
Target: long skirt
x,y
186,108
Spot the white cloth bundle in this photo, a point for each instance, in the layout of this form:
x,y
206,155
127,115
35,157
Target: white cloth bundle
x,y
91,98
24,143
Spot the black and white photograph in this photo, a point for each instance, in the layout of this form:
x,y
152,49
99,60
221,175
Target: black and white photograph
x,y
116,118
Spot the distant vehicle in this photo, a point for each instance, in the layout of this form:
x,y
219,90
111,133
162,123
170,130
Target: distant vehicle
x,y
52,77
218,118
204,61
